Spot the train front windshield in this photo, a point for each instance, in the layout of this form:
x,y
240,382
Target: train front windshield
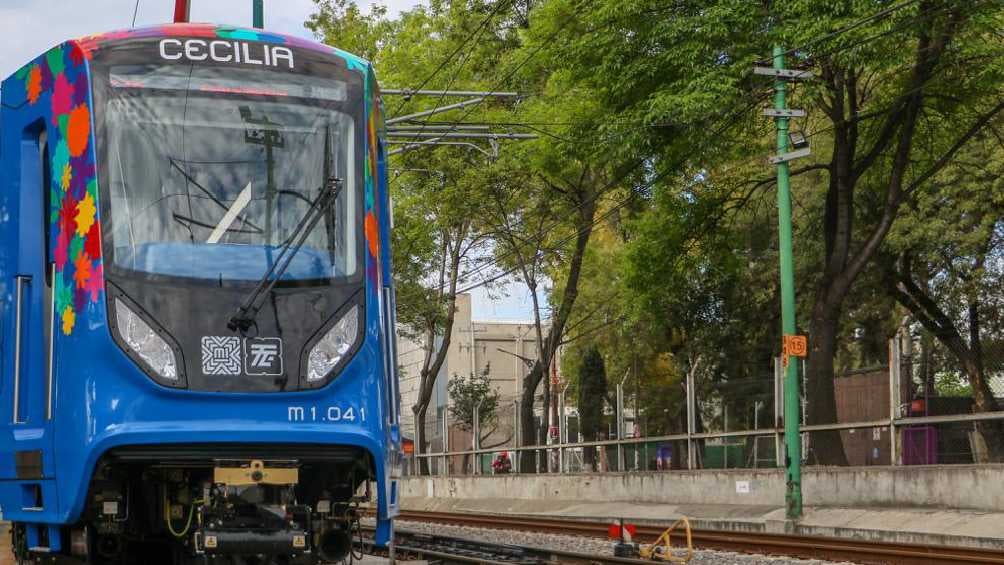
x,y
207,172
210,171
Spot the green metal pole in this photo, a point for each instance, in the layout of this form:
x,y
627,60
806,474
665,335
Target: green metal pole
x,y
259,14
792,439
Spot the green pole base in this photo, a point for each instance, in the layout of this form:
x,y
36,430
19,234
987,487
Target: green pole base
x,y
793,501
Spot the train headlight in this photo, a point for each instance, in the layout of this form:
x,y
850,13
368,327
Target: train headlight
x,y
333,347
145,342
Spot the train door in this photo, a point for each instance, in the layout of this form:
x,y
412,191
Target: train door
x,y
29,387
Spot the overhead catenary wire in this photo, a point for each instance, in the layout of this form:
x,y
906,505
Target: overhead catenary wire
x,y
495,89
852,26
600,193
858,23
731,117
454,53
512,72
882,110
477,34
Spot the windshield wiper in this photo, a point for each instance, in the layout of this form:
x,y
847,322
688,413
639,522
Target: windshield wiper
x,y
245,316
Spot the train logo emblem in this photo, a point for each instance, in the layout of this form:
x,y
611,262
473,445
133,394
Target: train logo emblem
x,y
263,355
224,355
221,355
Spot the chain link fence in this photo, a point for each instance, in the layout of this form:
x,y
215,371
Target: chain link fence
x,y
942,380
924,405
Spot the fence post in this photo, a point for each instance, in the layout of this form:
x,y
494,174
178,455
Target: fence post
x,y
562,430
894,368
516,435
778,403
446,436
620,425
419,437
476,440
690,418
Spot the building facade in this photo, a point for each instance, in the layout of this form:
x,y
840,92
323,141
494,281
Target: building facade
x,y
505,351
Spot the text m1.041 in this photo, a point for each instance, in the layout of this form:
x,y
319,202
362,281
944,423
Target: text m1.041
x,y
325,414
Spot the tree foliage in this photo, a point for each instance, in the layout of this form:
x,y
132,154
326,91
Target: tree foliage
x,y
474,399
643,217
592,393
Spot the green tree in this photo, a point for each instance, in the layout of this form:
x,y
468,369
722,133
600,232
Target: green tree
x,y
341,23
475,395
942,265
592,394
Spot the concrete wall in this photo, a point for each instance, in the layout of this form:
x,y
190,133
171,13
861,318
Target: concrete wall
x,y
976,487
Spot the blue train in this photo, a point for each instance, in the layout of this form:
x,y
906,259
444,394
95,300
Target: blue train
x,y
196,309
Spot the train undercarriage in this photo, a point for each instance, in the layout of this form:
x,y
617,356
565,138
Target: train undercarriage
x,y
280,505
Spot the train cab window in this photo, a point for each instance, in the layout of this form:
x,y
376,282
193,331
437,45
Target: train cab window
x,y
211,171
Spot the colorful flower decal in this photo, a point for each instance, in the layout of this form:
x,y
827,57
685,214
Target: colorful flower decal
x,y
370,222
57,82
62,98
34,84
66,177
62,252
78,130
83,272
69,318
85,215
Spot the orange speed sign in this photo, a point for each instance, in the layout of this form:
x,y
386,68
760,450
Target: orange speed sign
x,y
795,345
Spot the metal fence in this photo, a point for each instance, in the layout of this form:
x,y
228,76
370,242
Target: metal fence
x,y
918,409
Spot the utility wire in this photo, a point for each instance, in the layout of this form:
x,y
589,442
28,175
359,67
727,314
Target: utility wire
x,y
852,26
873,113
135,11
658,177
600,193
732,119
897,28
512,72
459,48
459,68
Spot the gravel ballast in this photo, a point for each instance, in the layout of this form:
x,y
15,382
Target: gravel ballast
x,y
581,544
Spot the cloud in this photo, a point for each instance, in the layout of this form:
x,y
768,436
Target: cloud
x,y
30,27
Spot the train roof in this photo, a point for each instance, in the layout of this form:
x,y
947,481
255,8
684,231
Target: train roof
x,y
92,43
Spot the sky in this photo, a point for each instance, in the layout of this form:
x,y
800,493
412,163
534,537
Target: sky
x,y
28,28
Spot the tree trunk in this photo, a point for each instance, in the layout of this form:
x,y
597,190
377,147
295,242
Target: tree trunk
x,y
586,205
826,448
983,396
421,442
528,427
589,453
435,357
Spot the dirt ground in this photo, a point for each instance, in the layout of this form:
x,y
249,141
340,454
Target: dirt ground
x,y
6,557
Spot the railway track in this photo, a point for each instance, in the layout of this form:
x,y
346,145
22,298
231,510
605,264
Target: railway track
x,y
807,547
447,550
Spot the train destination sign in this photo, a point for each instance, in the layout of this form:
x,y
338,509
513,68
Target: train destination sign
x,y
222,51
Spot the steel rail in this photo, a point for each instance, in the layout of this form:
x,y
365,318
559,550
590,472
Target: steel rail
x,y
448,550
801,546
